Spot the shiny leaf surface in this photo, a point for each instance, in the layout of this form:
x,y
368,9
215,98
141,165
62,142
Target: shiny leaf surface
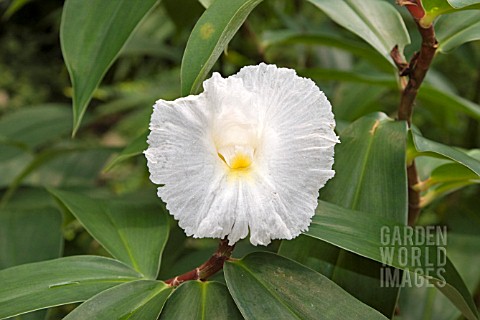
x,y
376,22
133,233
91,38
268,286
135,300
201,300
211,35
368,235
49,283
457,28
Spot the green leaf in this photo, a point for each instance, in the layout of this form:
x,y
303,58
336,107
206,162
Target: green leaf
x,y
445,179
29,235
457,4
369,162
67,166
457,28
14,6
290,37
380,79
206,3
211,35
91,37
201,300
435,8
364,234
441,176
378,145
355,231
442,190
428,303
12,162
134,233
63,166
66,280
435,96
141,300
24,131
35,126
30,231
268,286
135,148
353,100
449,172
426,147
376,22
428,93
463,250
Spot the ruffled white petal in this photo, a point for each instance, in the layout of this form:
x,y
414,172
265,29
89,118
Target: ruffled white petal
x,y
279,125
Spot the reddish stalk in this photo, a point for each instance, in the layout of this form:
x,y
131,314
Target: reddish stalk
x,y
207,269
416,70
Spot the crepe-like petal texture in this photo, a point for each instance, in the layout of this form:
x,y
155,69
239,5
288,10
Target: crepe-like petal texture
x,y
249,154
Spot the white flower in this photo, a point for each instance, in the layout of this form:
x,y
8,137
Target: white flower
x,y
249,153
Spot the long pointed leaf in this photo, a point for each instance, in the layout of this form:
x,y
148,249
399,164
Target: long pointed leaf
x,y
457,28
427,93
370,176
45,284
425,146
457,4
268,286
92,34
289,37
133,233
134,148
370,161
375,21
201,300
362,234
211,35
142,299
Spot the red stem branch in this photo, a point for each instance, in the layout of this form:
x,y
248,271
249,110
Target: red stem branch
x,y
418,68
208,268
416,71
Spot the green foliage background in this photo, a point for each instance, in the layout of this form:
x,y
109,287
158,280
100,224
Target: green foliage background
x,y
80,220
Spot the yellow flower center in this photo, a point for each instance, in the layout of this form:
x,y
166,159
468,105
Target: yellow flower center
x,y
235,138
240,161
237,157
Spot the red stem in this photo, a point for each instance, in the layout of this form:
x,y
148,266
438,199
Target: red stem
x,y
416,71
418,68
208,268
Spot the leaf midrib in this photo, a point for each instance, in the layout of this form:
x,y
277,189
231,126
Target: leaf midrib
x,y
203,293
117,232
243,266
79,110
195,86
366,20
147,299
460,32
80,283
124,243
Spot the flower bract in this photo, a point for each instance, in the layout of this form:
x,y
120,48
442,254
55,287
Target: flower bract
x,y
248,155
